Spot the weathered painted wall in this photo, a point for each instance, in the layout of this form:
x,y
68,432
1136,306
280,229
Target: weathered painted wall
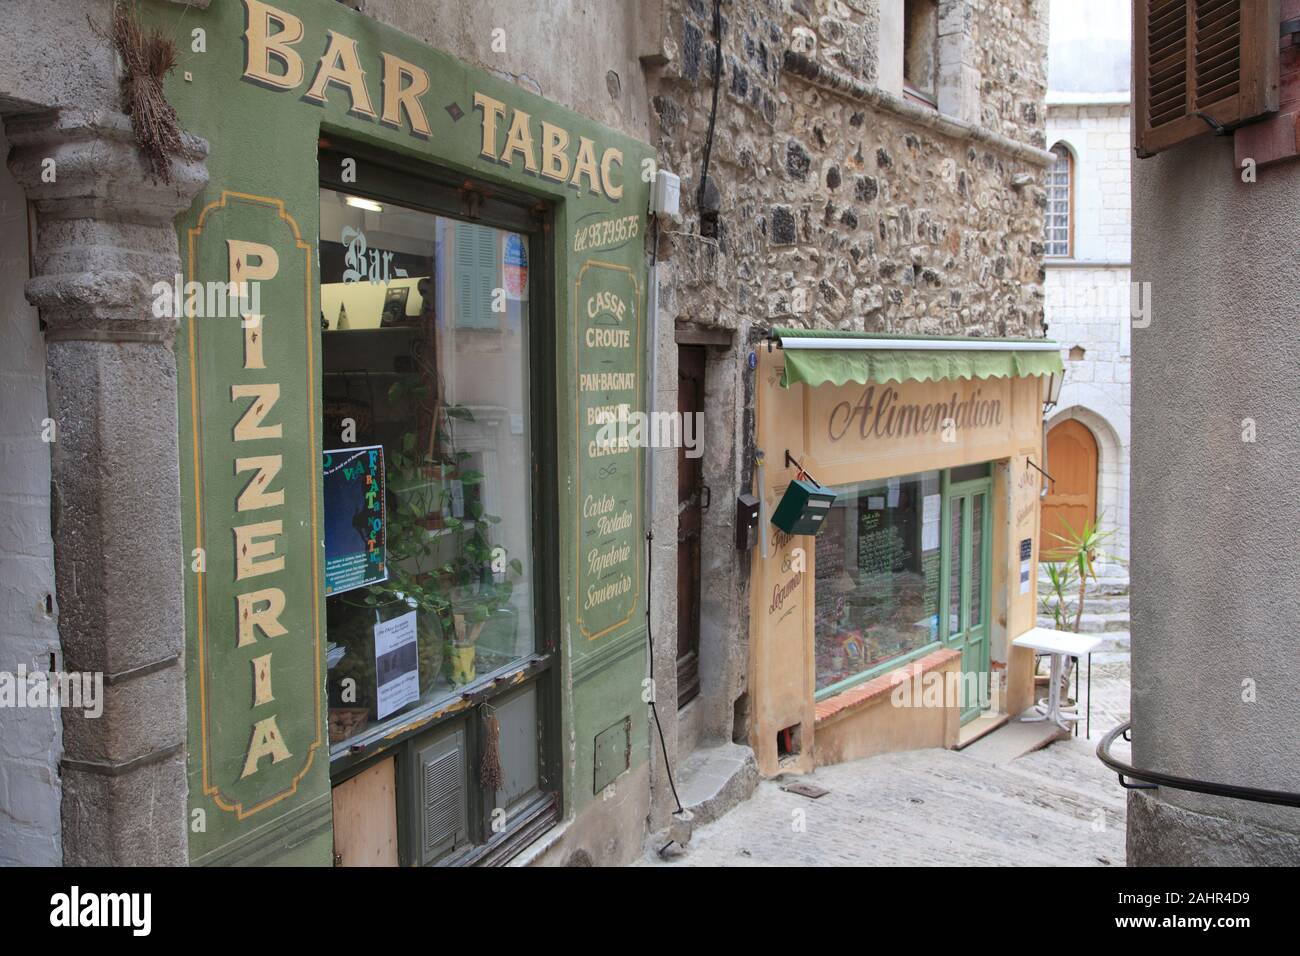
x,y
582,56
271,196
1215,454
31,740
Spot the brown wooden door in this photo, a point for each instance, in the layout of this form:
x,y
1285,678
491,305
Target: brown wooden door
x,y
690,520
1072,498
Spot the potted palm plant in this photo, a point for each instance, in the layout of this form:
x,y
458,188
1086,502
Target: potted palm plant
x,y
1074,566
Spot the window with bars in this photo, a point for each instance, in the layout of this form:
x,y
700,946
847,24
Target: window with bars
x,y
1057,226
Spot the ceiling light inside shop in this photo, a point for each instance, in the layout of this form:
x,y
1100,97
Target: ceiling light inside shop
x,y
368,204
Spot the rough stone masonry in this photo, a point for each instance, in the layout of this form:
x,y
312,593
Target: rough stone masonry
x,y
852,209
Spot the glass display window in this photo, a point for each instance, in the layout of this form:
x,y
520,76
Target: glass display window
x,y
900,573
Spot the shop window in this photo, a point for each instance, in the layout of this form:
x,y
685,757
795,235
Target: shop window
x,y
418,363
434,589
879,561
1058,225
881,597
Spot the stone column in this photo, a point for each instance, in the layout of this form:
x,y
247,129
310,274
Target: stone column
x,y
105,235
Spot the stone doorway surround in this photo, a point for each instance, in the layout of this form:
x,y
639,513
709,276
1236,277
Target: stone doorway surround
x,y
105,234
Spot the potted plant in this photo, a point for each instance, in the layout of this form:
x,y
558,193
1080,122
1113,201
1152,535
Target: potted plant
x,y
479,579
1074,564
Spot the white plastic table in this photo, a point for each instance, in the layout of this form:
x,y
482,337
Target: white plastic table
x,y
1060,644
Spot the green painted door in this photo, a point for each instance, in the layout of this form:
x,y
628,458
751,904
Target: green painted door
x,y
967,520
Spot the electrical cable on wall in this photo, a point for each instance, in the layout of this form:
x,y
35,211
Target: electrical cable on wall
x,y
713,116
650,540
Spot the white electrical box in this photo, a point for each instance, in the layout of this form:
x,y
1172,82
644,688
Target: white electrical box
x,y
666,197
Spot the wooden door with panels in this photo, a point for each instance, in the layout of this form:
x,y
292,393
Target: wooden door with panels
x,y
1071,499
692,499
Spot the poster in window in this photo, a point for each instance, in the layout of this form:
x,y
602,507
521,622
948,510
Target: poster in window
x,y
355,540
397,670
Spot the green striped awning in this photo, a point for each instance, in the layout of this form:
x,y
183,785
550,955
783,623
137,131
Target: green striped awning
x,y
865,357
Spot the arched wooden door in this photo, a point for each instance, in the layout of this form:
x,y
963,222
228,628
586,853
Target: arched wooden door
x,y
1072,498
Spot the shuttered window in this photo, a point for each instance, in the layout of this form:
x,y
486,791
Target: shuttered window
x,y
477,261
1218,58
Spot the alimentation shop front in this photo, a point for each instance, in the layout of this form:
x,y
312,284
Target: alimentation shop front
x,y
415,572
899,486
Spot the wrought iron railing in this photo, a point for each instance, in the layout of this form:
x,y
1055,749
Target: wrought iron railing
x,y
1154,779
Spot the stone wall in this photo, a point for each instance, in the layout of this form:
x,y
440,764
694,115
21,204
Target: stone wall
x,y
834,213
1088,299
831,203
1097,135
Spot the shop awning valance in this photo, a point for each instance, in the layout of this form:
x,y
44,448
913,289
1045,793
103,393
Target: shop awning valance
x,y
816,357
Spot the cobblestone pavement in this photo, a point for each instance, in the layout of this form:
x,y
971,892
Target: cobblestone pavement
x,y
1058,806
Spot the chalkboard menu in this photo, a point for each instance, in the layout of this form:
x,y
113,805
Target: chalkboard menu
x,y
886,539
610,431
878,569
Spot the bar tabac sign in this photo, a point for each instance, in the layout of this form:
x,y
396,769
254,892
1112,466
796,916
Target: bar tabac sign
x,y
253,422
282,75
276,58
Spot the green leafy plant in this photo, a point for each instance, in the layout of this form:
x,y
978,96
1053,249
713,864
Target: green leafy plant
x,y
1076,555
1075,567
1056,602
463,586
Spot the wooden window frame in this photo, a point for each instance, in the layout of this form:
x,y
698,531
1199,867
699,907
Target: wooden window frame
x,y
434,189
948,488
1257,75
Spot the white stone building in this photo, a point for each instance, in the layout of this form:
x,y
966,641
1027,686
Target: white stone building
x,y
1087,268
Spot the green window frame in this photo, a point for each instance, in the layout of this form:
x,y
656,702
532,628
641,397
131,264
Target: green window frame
x,y
417,185
971,483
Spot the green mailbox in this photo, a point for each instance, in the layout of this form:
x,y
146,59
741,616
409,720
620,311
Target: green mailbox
x,y
803,507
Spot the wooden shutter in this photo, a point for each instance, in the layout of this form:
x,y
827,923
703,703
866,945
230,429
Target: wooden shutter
x,y
1217,57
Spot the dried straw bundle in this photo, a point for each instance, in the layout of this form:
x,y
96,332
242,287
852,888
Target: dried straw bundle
x,y
146,60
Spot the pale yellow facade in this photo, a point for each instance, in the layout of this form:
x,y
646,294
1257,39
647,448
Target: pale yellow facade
x,y
855,433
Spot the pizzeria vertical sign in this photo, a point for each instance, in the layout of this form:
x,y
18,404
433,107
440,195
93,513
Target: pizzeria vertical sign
x,y
251,409
607,325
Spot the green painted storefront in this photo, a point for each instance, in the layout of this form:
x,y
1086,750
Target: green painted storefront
x,y
286,94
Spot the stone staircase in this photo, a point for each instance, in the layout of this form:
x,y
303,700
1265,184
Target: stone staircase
x,y
1105,610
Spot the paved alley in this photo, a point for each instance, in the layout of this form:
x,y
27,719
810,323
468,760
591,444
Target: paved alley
x,y
1054,807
